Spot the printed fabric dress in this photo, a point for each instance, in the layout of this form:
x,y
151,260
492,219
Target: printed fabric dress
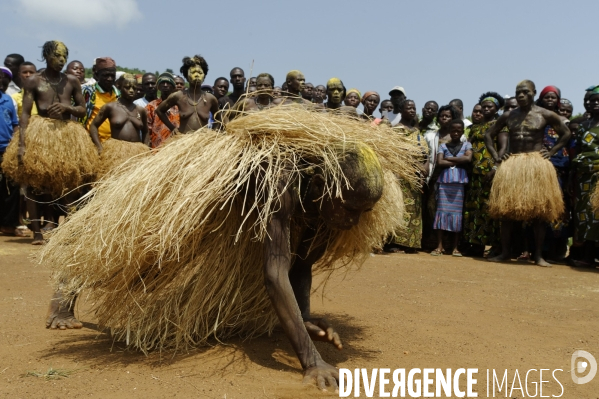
x,y
586,165
450,195
561,163
412,237
479,228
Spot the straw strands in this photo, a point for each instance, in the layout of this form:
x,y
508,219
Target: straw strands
x,y
169,249
59,156
117,152
525,187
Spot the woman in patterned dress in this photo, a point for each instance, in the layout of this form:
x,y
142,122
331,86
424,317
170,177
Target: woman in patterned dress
x,y
411,239
585,167
479,229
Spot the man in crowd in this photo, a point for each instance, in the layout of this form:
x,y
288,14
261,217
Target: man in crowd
x,y
13,62
238,82
180,83
26,70
319,95
308,91
397,94
295,81
429,112
76,69
459,106
220,88
510,104
157,130
99,94
526,131
386,107
148,82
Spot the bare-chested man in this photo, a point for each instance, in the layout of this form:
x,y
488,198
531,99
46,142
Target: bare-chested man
x,y
237,79
526,126
288,278
263,100
54,94
194,104
128,121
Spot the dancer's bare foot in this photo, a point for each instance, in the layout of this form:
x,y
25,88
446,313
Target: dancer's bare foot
x,y
60,316
499,258
38,238
542,262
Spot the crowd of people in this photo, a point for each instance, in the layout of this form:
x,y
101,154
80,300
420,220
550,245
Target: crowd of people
x,y
461,156
518,178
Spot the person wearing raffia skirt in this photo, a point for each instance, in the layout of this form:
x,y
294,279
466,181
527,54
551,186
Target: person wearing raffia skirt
x,y
525,187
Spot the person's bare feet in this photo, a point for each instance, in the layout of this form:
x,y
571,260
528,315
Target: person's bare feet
x,y
542,262
59,316
38,238
499,258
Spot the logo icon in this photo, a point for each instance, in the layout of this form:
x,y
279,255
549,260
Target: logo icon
x,y
581,362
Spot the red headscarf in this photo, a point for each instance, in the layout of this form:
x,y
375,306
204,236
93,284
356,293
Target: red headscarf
x,y
550,89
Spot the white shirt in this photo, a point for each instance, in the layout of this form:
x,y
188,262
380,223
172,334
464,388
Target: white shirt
x,y
142,102
12,89
466,123
393,118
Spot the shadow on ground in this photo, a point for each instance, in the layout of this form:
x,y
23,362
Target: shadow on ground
x,y
95,348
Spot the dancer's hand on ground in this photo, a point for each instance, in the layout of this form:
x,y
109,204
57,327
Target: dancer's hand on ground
x,y
323,374
320,330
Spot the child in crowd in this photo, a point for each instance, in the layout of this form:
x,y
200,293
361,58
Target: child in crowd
x,y
453,157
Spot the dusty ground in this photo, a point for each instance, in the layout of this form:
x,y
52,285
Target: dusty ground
x,y
399,311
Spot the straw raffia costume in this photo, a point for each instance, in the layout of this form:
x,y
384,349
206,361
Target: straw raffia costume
x,y
180,259
59,156
525,188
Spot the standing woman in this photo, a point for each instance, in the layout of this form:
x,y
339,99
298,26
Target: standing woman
x,y
411,239
370,101
584,167
556,239
479,229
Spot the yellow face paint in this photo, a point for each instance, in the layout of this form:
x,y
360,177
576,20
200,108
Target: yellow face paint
x,y
292,74
196,75
335,91
57,59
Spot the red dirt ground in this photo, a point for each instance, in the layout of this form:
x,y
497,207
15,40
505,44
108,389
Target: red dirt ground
x,y
398,311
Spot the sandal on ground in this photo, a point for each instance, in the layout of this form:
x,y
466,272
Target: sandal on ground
x,y
456,253
523,257
437,252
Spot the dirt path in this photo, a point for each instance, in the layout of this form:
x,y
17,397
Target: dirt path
x,y
399,311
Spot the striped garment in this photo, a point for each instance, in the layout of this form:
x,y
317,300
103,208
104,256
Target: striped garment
x,y
450,203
